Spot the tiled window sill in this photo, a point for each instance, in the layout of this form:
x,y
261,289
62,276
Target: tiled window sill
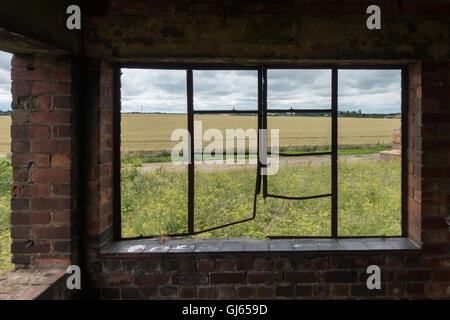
x,y
237,245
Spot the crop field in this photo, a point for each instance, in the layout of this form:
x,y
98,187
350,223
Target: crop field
x,y
152,132
155,201
5,135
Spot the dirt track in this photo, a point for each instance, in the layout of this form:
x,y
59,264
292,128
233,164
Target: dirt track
x,y
210,166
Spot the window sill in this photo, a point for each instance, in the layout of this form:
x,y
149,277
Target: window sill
x,y
242,245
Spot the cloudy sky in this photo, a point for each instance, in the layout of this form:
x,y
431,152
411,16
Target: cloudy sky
x,y
5,81
372,91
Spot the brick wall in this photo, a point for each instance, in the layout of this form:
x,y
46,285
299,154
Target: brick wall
x,y
434,194
422,274
43,203
98,160
269,276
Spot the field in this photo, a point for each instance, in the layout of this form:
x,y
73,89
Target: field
x,y
151,133
156,202
5,135
369,201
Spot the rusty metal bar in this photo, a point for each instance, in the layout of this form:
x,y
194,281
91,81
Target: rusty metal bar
x,y
404,150
301,154
117,228
334,153
298,198
191,168
264,121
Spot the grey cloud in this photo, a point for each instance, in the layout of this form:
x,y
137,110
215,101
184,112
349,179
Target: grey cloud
x,y
5,81
371,91
165,90
5,61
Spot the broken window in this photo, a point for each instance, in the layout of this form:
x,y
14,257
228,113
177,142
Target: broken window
x,y
197,145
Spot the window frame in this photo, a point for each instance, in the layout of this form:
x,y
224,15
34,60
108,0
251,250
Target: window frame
x,y
262,68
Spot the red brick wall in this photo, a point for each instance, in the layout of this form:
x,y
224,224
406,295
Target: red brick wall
x,y
434,195
414,152
98,159
423,274
269,276
43,203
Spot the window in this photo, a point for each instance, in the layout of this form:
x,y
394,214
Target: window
x,y
197,145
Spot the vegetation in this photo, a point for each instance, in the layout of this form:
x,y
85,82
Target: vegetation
x,y
369,201
5,239
156,202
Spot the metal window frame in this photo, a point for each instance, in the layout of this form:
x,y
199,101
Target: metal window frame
x,y
261,182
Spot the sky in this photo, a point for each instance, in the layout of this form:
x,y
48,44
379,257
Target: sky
x,y
5,81
372,91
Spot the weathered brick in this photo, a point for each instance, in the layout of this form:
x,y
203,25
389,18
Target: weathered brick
x,y
206,265
301,276
263,277
43,232
52,175
151,280
31,218
229,277
340,276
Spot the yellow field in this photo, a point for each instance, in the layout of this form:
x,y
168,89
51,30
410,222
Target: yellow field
x,y
145,132
5,135
152,132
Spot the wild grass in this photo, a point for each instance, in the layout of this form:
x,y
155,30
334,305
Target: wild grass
x,y
156,202
369,201
5,238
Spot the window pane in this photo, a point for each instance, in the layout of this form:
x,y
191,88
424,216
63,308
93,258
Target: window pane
x,y
301,176
225,184
309,218
369,190
298,133
225,90
153,188
298,89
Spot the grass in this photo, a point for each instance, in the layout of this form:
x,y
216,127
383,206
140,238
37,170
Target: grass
x,y
369,201
5,239
156,202
352,150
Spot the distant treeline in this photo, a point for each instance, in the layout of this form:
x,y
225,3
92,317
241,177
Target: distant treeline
x,y
5,113
356,114
346,114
